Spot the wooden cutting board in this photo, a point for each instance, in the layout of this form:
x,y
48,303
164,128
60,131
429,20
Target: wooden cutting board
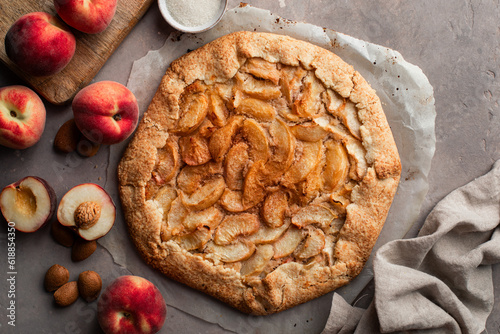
x,y
91,53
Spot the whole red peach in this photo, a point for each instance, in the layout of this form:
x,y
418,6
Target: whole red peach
x,y
131,304
22,117
90,17
106,112
40,44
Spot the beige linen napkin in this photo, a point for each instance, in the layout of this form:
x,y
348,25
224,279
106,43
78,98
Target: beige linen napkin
x,y
440,281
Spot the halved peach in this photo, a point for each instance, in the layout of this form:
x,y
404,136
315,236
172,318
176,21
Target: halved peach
x,y
28,204
88,209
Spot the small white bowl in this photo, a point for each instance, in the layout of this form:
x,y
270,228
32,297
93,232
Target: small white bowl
x,y
162,4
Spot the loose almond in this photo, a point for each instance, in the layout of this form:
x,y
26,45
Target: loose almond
x,y
55,277
89,285
66,294
62,234
67,137
82,249
86,148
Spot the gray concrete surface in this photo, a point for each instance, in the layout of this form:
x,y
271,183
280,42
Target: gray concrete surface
x,y
457,45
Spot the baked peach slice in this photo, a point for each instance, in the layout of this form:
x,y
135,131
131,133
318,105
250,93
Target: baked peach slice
x,y
287,244
164,198
257,140
194,150
274,208
258,261
238,251
309,132
88,209
283,147
222,139
312,245
291,82
262,69
336,168
232,201
267,235
193,112
259,89
258,109
300,169
28,203
283,109
190,178
175,218
236,161
217,110
333,101
195,240
309,104
234,226
167,163
313,214
254,186
343,110
205,196
357,154
210,218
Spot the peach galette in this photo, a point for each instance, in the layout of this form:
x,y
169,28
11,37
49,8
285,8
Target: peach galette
x,y
261,173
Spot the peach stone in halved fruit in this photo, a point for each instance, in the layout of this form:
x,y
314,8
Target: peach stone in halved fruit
x,y
88,209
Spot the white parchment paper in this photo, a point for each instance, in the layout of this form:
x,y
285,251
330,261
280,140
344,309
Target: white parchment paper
x,y
407,98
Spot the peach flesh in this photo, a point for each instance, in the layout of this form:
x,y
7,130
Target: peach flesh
x,y
29,203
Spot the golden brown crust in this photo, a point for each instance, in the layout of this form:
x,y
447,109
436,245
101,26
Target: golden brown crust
x,y
335,200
